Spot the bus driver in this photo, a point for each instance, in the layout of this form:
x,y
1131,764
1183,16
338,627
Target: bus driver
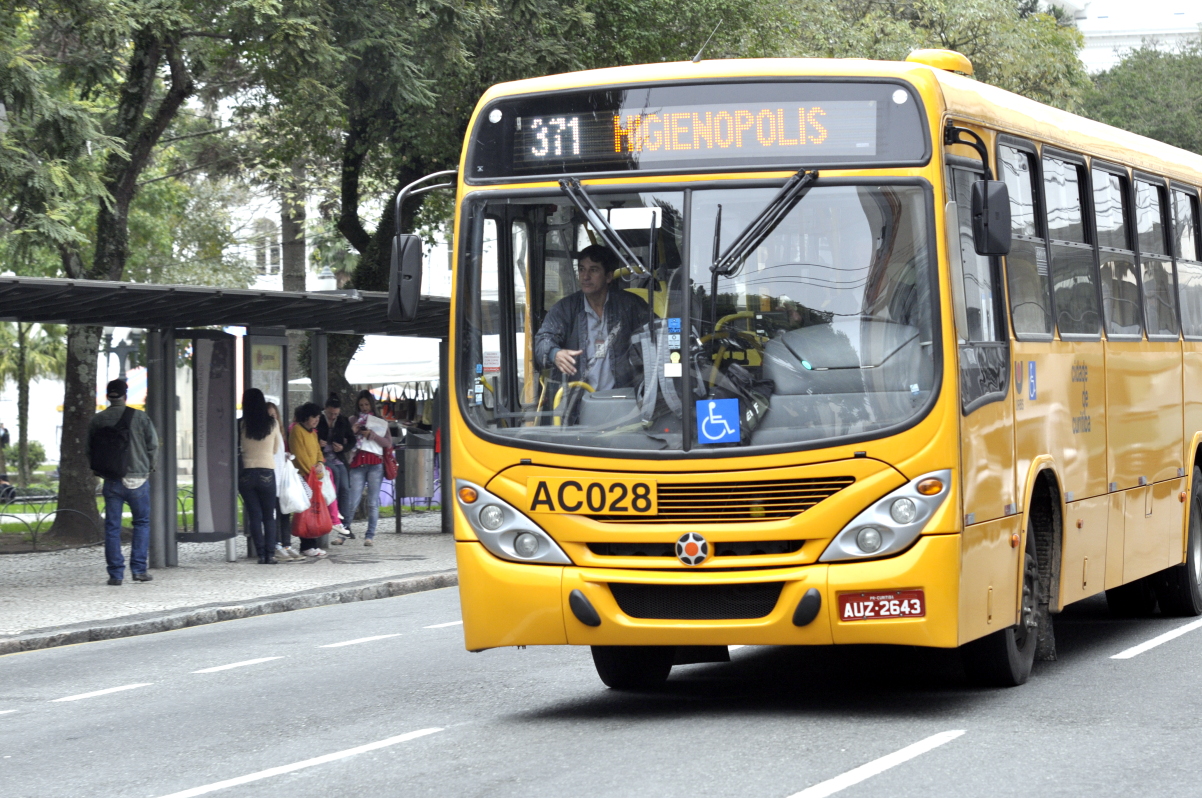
x,y
595,324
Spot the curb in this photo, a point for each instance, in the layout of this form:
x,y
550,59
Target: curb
x,y
198,616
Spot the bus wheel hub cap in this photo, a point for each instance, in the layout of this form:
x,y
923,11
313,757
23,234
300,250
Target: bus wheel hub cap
x,y
692,549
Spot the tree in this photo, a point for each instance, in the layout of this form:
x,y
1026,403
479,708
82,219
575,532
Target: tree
x,y
28,352
1154,93
134,64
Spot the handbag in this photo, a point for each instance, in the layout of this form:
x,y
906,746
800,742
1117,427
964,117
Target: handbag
x,y
390,465
314,521
294,494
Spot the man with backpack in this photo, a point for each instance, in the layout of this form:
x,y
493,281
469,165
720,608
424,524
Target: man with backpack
x,y
121,448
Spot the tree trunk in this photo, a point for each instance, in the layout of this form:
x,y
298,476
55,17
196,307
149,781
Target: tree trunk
x,y
80,523
23,474
292,230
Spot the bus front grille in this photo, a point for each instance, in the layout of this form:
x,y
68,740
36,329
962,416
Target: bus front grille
x,y
739,548
717,502
697,602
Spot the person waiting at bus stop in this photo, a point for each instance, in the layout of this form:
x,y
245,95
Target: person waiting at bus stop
x,y
586,335
337,441
121,447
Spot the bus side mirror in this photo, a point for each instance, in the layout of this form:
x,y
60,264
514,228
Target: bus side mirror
x,y
990,217
405,278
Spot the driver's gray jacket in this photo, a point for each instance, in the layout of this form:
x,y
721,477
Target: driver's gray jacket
x,y
566,327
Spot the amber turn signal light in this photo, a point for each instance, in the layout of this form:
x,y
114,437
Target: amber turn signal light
x,y
930,487
468,495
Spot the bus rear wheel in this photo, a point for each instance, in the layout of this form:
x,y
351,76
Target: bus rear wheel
x,y
633,667
1180,588
1005,658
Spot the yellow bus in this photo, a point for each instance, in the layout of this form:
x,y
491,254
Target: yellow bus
x,y
821,378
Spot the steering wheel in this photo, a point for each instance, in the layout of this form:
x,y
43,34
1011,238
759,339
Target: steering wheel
x,y
557,419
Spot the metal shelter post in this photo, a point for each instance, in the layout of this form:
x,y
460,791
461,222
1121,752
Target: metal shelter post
x,y
161,407
318,370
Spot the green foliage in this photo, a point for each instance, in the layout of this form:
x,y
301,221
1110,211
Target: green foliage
x,y
1010,44
35,456
1154,93
51,142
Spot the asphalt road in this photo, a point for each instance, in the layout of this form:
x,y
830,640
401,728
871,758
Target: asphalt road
x,y
413,714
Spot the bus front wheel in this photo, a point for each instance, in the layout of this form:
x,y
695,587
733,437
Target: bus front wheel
x,y
1005,658
633,667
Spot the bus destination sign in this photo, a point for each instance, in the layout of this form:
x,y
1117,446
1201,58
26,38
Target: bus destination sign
x,y
671,134
675,128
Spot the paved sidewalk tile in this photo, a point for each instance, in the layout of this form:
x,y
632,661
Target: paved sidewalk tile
x,y
52,589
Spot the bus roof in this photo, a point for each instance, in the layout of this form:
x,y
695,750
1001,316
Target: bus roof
x,y
965,99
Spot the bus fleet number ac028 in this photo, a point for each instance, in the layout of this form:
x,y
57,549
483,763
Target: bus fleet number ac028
x,y
594,496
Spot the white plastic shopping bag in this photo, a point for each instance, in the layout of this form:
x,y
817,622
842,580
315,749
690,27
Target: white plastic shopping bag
x,y
327,486
294,494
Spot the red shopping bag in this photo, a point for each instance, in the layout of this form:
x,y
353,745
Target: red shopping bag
x,y
315,521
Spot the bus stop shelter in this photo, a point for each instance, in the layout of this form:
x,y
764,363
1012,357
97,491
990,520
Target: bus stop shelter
x,y
172,313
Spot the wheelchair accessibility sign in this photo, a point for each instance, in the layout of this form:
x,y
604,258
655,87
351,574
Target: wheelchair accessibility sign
x,y
718,421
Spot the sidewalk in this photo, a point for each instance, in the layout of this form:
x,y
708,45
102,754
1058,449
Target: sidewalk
x,y
60,597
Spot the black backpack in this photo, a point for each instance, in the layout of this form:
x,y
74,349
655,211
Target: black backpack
x,y
110,448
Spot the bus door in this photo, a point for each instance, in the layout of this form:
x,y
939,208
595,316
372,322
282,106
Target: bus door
x,y
1187,246
988,587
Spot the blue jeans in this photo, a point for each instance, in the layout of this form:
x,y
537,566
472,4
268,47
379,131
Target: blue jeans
x,y
116,496
372,476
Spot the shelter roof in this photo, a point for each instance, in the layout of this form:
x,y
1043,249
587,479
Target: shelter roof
x,y
147,306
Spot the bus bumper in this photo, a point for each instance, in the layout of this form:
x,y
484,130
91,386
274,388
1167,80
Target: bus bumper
x,y
508,604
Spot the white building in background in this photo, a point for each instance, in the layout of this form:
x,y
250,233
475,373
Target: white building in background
x,y
1113,27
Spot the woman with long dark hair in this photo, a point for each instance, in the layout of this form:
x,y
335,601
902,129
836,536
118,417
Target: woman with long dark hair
x,y
256,483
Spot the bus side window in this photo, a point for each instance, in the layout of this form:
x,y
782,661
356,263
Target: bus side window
x,y
1160,312
1075,294
1189,269
1027,263
1116,256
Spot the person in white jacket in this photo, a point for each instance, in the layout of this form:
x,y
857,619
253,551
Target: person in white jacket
x,y
367,464
283,547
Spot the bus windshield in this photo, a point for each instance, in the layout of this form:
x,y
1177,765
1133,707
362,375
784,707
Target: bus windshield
x,y
824,332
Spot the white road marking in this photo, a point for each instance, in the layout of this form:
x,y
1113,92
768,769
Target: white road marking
x,y
877,766
359,640
242,664
444,625
308,763
1135,651
6,711
103,692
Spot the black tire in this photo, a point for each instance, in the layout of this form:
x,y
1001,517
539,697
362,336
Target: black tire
x,y
633,667
1133,600
1005,658
1179,588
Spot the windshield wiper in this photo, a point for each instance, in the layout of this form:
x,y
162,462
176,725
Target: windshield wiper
x,y
729,262
584,203
763,224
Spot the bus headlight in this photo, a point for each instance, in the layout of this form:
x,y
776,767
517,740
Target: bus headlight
x,y
506,531
892,523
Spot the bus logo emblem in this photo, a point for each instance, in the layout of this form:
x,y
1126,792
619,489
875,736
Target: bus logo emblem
x,y
692,549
